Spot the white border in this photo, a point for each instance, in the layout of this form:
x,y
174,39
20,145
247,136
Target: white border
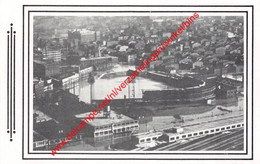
x,y
182,156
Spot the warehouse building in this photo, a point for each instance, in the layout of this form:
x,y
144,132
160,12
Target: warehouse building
x,y
107,123
212,127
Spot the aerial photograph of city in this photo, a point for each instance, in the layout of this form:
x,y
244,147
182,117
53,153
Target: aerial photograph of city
x,y
138,83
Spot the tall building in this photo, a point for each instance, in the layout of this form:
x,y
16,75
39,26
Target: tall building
x,y
87,35
38,86
98,35
52,54
74,39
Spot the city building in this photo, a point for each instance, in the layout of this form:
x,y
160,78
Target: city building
x,y
53,54
225,91
44,69
38,87
74,39
100,63
108,123
87,35
84,73
48,84
197,64
66,81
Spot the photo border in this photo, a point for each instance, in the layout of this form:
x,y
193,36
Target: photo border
x,y
64,153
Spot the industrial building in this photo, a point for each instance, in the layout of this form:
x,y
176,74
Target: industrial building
x,y
66,81
108,122
210,127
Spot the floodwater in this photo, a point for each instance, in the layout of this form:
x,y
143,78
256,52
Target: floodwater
x,y
104,86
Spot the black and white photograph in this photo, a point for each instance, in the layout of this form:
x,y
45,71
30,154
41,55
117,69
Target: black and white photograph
x,y
190,97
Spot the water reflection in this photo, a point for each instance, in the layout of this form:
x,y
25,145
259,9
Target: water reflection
x,y
102,87
106,143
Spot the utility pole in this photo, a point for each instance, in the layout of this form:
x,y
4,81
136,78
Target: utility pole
x,y
146,126
91,81
79,79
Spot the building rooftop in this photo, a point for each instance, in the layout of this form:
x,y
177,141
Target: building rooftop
x,y
99,120
148,134
210,124
39,62
37,137
65,75
98,58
